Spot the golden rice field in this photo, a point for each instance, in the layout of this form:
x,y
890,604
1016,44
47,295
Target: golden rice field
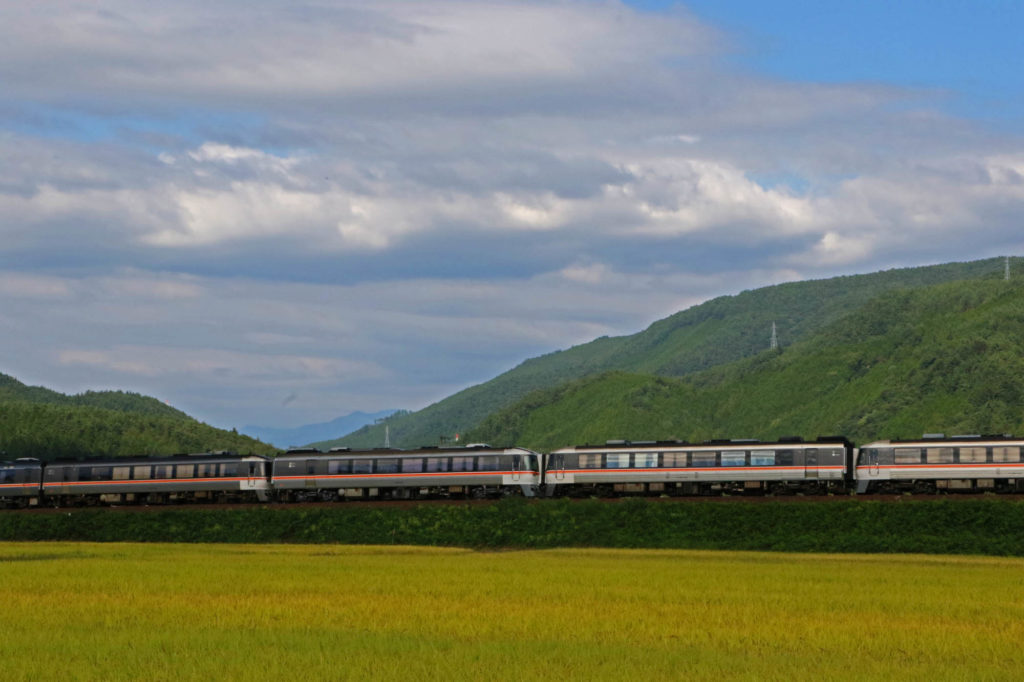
x,y
289,612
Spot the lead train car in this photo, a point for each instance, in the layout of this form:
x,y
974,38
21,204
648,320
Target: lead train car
x,y
473,471
19,482
676,468
214,477
936,463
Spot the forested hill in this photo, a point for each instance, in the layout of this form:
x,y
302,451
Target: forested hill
x,y
13,390
714,333
38,422
947,358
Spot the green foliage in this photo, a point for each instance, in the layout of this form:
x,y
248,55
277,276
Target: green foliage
x,y
38,422
944,358
962,526
715,333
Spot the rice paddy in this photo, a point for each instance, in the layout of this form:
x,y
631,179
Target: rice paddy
x,y
280,612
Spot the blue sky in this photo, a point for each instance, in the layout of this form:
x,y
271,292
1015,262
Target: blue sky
x,y
971,51
278,213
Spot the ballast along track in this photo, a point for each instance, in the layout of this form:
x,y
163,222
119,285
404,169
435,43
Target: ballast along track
x,y
827,468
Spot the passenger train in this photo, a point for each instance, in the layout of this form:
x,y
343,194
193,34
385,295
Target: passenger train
x,y
833,465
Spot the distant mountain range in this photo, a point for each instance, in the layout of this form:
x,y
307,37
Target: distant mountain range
x,y
716,352
311,433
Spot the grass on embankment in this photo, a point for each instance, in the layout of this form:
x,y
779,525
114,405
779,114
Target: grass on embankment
x,y
212,612
981,526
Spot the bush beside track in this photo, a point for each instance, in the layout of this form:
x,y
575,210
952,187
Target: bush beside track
x,y
975,526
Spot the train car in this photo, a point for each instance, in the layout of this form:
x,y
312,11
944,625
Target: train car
x,y
20,481
476,471
206,476
935,463
714,467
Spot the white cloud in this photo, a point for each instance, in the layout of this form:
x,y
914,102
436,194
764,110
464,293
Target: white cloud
x,y
218,364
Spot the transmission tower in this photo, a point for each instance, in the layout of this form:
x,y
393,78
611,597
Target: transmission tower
x,y
387,435
775,338
1006,269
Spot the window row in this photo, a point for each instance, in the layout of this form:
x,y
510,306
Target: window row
x,y
942,455
704,458
149,472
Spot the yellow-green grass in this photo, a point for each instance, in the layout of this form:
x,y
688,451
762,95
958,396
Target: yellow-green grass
x,y
280,612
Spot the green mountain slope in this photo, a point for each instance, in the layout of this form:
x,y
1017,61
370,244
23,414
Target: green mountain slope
x,y
717,332
13,390
945,358
38,422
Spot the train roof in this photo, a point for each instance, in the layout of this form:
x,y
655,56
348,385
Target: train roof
x,y
943,438
423,450
734,442
160,459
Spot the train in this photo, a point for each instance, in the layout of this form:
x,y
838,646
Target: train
x,y
933,464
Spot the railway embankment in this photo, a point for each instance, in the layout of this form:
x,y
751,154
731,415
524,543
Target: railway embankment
x,y
981,526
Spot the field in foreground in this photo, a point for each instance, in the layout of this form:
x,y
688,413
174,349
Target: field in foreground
x,y
282,612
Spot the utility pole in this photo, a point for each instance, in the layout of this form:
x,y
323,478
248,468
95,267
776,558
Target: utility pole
x,y
775,338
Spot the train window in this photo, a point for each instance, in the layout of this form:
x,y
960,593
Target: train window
x,y
84,473
674,459
488,464
591,461
734,458
617,460
412,466
762,458
142,472
1006,454
206,470
362,466
785,458
122,473
908,455
338,466
6,476
439,463
229,470
387,466
704,459
185,471
939,455
532,464
971,455
462,463
645,460
311,467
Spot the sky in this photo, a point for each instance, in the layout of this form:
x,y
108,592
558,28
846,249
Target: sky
x,y
277,213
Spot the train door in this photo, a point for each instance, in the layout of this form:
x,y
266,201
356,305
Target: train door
x,y
253,476
558,466
310,473
811,463
517,461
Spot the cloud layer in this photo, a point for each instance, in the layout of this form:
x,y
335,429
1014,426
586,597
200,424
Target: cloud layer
x,y
370,205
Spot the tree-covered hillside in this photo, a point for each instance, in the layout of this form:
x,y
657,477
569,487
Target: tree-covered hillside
x,y
944,358
38,422
715,333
